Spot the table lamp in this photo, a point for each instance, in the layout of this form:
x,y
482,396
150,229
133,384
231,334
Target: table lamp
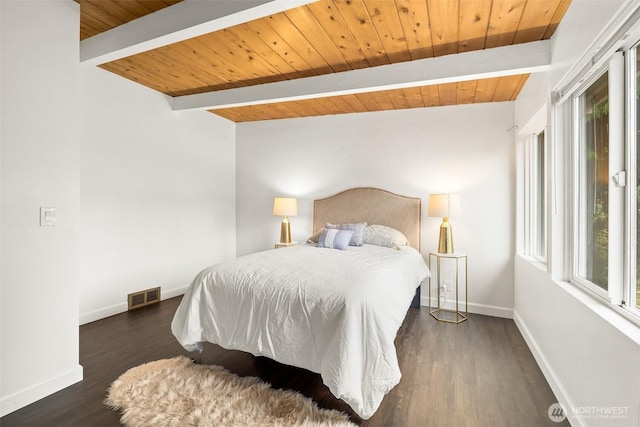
x,y
285,207
445,206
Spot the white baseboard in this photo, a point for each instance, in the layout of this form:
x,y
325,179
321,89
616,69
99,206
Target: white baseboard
x,y
103,313
31,394
122,307
491,310
174,292
486,310
547,371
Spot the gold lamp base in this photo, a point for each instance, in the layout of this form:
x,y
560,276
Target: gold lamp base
x,y
445,244
285,231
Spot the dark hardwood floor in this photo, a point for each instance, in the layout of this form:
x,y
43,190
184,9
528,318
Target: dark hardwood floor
x,y
477,373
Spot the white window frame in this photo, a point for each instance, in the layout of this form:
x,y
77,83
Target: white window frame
x,y
576,160
622,200
531,189
528,137
632,139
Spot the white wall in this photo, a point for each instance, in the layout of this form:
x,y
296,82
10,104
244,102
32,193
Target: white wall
x,y
145,196
587,361
464,149
590,355
40,167
157,193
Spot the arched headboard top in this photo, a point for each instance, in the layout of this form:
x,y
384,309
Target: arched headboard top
x,y
374,206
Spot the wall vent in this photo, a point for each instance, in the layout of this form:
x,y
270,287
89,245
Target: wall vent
x,y
143,298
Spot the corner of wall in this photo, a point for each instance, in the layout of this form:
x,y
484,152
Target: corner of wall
x,y
35,392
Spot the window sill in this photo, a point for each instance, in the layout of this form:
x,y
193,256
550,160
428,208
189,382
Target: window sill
x,y
621,319
536,262
618,317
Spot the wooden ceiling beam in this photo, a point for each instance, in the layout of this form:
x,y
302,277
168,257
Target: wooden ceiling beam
x,y
182,21
488,63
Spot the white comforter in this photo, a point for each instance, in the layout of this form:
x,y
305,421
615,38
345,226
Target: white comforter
x,y
330,311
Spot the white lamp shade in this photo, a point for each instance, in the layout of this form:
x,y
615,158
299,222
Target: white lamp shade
x,y
444,205
285,206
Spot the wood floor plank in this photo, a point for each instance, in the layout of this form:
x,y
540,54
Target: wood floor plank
x,y
477,373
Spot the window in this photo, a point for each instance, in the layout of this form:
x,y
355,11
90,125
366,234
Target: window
x,y
534,181
634,297
593,181
605,213
539,248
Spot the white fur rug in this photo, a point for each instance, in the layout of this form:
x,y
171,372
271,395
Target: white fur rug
x,y
177,392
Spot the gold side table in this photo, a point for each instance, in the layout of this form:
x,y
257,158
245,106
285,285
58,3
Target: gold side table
x,y
284,245
442,287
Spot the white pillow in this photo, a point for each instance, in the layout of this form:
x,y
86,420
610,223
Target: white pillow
x,y
381,235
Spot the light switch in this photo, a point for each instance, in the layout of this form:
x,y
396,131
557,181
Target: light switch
x,y
47,217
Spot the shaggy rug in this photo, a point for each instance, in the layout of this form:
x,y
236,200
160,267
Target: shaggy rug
x,y
177,392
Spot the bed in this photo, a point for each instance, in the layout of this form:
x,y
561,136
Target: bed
x,y
334,312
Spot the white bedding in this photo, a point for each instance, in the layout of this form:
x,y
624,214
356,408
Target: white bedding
x,y
329,311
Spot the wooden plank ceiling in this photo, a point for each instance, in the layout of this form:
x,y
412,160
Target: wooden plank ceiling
x,y
97,16
332,36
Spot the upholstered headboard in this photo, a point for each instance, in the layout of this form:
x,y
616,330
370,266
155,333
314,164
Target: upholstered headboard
x,y
375,206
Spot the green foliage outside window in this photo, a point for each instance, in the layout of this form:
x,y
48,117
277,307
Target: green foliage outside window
x,y
596,177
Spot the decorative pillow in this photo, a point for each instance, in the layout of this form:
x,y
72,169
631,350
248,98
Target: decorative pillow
x,y
335,239
381,235
358,231
316,236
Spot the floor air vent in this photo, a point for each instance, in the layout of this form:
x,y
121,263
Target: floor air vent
x,y
142,298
